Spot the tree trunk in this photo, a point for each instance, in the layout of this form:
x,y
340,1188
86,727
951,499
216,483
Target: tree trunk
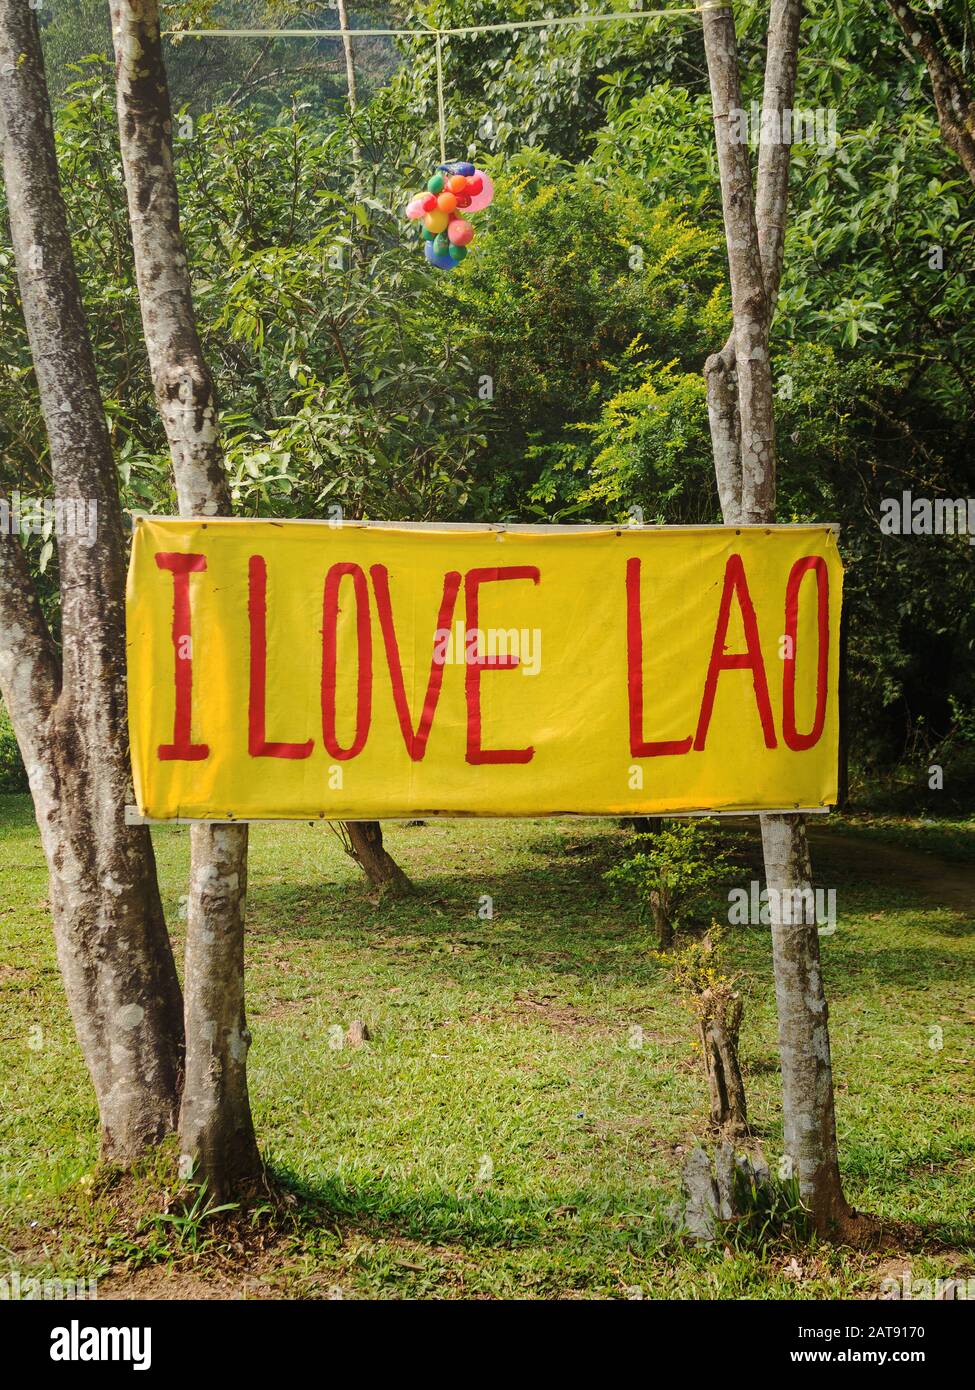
x,y
952,94
720,1027
69,715
662,922
807,1073
349,61
216,1130
378,865
807,1081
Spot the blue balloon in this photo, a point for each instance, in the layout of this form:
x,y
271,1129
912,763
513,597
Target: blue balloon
x,y
457,166
441,262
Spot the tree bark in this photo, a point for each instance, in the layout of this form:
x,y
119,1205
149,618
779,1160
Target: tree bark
x,y
380,868
662,921
807,1072
749,303
216,1130
721,1016
349,61
770,217
755,248
69,714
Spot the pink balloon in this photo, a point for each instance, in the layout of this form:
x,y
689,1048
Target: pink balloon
x,y
486,195
460,232
415,210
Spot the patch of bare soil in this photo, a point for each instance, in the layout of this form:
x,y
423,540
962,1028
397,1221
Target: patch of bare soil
x,y
950,885
179,1284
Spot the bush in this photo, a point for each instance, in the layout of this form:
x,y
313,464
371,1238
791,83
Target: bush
x,y
13,777
672,876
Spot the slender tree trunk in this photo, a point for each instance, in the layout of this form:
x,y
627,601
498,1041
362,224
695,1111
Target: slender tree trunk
x,y
380,868
755,244
349,61
662,922
720,1028
365,838
807,1073
952,94
69,714
216,1129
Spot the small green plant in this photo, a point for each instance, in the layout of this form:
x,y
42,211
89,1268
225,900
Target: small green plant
x,y
672,876
189,1222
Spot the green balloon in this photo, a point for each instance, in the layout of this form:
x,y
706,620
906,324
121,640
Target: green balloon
x,y
427,234
457,253
436,184
441,243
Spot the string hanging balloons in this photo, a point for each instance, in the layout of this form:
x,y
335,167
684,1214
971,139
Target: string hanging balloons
x,y
453,192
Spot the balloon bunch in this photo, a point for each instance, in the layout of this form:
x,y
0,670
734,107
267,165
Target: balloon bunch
x,y
454,190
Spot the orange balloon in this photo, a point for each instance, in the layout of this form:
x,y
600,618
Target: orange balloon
x,y
457,183
436,221
447,202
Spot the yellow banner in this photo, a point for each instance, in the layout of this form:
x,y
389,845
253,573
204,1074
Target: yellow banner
x,y
350,671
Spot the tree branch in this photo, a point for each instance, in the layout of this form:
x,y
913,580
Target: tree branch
x,y
952,97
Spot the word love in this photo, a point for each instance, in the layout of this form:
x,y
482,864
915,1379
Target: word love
x,y
349,589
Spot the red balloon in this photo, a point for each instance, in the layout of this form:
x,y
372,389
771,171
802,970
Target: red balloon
x,y
463,200
475,185
430,202
460,232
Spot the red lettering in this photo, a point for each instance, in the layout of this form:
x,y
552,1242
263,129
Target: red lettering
x,y
258,744
736,585
416,742
331,611
472,582
799,570
639,746
182,748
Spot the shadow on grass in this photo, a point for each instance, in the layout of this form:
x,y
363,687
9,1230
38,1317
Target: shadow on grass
x,y
572,927
486,1218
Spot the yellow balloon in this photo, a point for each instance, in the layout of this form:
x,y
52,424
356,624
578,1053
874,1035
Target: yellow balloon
x,y
436,221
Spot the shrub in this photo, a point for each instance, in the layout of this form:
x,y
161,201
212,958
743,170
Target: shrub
x,y
13,776
672,876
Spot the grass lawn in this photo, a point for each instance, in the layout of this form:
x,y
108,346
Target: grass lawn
x,y
516,1125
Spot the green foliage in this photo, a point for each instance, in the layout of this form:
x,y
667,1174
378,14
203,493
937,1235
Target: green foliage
x,y
341,377
13,776
538,88
673,875
654,449
575,293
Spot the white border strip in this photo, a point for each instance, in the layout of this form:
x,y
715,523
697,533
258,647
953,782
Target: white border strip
x,y
133,816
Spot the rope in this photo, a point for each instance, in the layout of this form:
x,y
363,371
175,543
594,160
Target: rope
x,y
440,103
439,35
513,27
